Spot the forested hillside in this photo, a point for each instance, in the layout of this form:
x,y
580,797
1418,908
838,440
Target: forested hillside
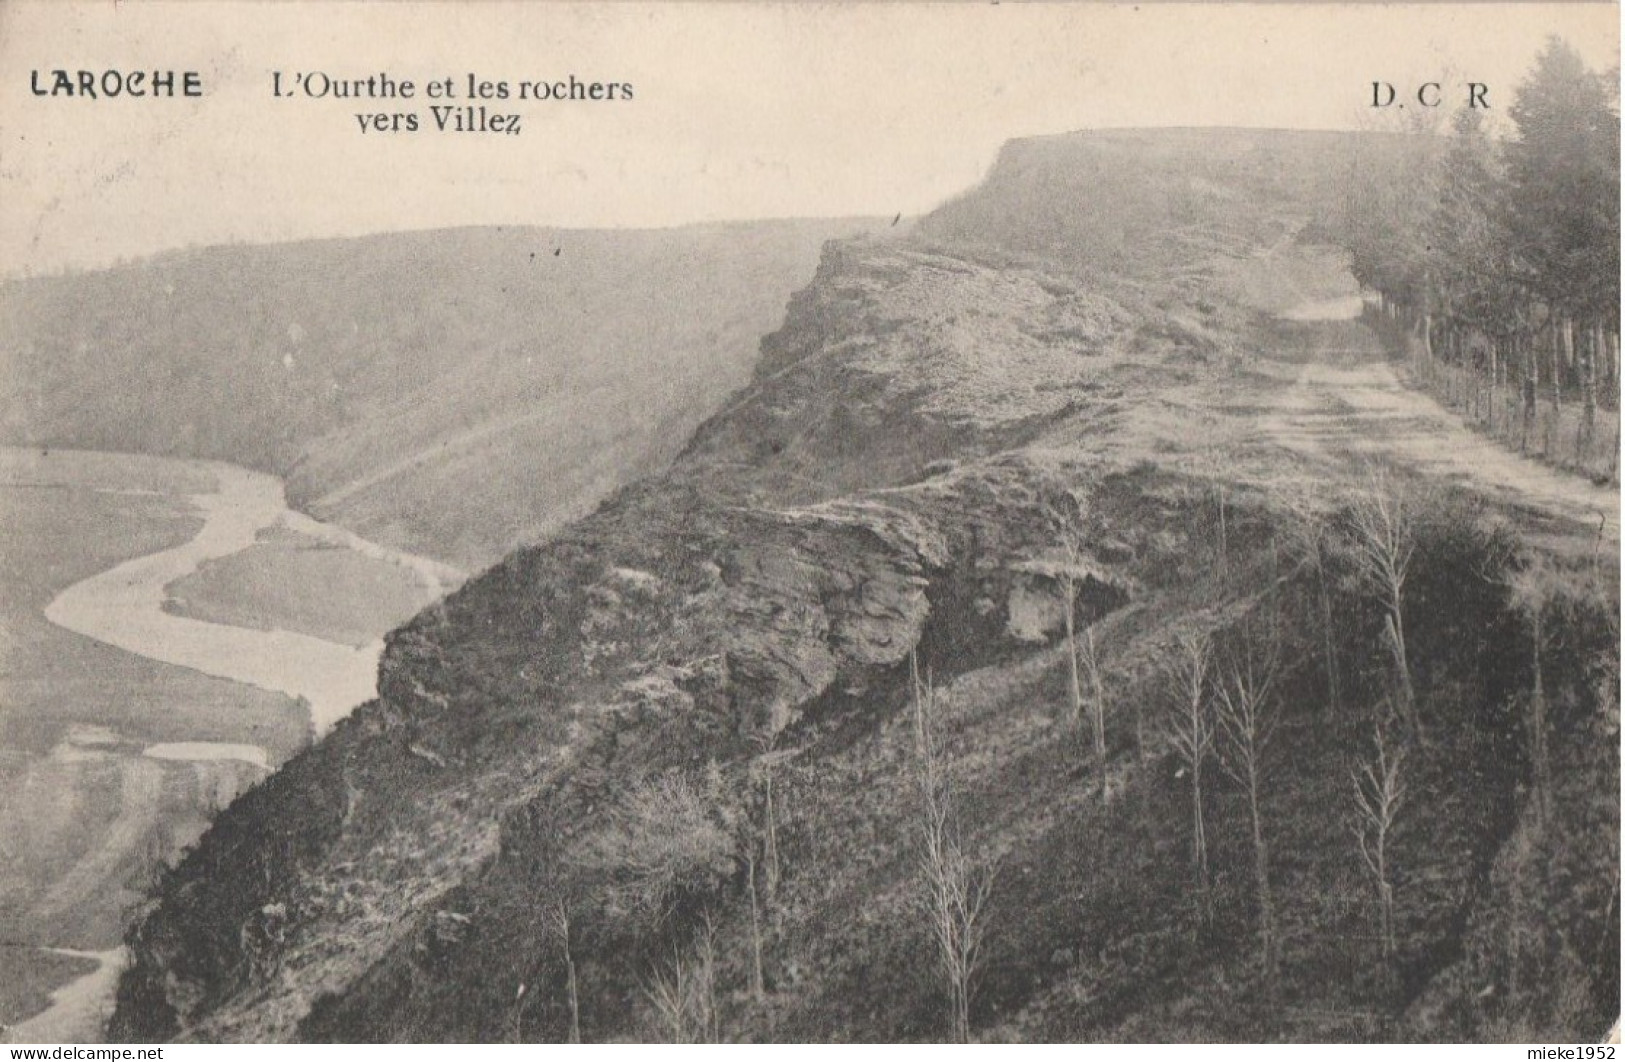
x,y
451,392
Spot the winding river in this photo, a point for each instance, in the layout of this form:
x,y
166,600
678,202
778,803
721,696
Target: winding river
x,y
124,607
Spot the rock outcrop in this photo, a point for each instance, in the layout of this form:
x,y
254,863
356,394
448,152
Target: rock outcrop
x,y
680,731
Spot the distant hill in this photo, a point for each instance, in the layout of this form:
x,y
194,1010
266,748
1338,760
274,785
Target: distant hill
x,y
1156,202
452,392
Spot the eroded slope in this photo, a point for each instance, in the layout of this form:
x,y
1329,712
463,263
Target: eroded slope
x,y
686,718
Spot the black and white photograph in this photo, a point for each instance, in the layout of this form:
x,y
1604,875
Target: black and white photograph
x,y
701,523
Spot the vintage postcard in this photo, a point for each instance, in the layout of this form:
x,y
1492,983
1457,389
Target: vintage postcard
x,y
757,522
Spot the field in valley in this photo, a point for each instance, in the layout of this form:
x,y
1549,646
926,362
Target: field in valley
x,y
293,582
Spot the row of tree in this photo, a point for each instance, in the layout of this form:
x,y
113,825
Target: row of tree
x,y
1226,706
1501,255
1220,674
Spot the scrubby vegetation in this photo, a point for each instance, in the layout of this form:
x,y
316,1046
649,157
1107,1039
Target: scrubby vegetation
x,y
954,684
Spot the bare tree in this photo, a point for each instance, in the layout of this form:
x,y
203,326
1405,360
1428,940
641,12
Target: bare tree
x,y
771,814
684,993
556,921
758,980
1090,659
664,836
516,1017
1384,542
761,768
1083,663
955,890
1248,717
1191,734
1379,795
710,1016
1308,530
1540,758
669,991
559,917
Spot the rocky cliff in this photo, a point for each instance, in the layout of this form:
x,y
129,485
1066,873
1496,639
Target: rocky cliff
x,y
659,776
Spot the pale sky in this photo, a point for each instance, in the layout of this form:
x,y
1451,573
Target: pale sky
x,y
741,110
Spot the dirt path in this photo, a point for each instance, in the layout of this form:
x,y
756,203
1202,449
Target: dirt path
x,y
79,1009
1346,399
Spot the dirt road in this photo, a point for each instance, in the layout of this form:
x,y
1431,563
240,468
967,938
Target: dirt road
x,y
79,1009
1346,400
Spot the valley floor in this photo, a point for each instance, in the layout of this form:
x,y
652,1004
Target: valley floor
x,y
112,771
